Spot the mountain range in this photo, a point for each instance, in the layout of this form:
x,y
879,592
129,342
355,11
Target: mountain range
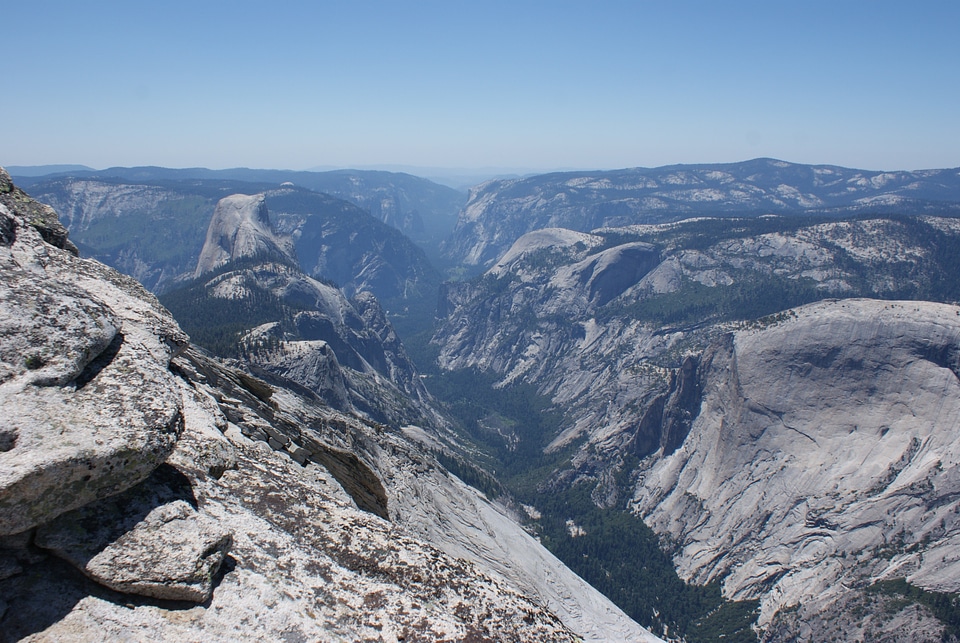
x,y
148,486
154,231
499,212
723,395
421,209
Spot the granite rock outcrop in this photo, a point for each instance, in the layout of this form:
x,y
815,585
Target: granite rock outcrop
x,y
240,228
89,407
824,457
146,541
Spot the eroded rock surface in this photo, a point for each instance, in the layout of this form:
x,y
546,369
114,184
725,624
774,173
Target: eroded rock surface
x,y
146,541
88,398
824,457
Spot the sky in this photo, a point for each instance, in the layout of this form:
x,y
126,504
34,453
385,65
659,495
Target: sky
x,y
535,85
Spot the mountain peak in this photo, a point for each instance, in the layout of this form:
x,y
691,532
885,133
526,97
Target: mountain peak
x,y
240,228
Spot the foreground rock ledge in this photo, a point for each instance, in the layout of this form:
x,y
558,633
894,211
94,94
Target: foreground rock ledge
x,y
172,553
89,402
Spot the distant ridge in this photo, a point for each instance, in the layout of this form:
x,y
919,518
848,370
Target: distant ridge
x,y
46,170
420,208
500,212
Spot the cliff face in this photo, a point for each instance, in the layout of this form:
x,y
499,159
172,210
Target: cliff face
x,y
200,501
824,457
240,229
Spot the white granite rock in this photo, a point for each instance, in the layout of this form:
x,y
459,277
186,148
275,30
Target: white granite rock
x,y
825,454
240,228
89,404
169,551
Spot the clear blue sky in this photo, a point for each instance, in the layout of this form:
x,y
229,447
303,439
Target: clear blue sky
x,y
535,85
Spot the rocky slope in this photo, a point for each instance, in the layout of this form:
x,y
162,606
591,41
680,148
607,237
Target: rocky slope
x,y
823,457
500,212
196,500
637,336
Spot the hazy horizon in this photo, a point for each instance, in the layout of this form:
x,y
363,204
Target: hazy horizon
x,y
504,87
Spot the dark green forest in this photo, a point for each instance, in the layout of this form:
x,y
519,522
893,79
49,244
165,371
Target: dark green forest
x,y
217,324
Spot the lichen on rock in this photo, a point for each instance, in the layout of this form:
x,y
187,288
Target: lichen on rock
x,y
150,540
90,405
